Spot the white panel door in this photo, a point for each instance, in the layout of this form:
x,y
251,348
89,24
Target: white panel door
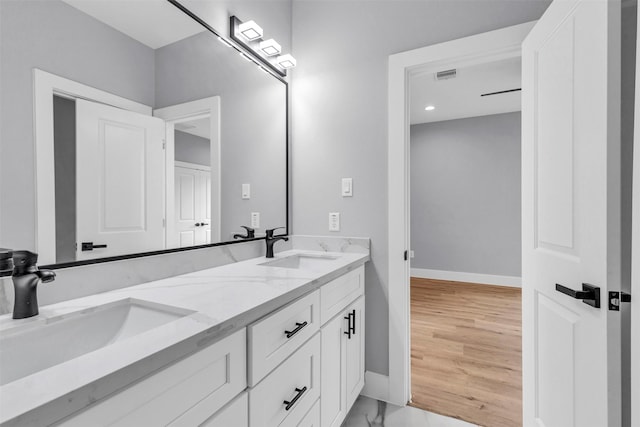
x,y
354,359
185,201
333,402
192,205
570,167
120,174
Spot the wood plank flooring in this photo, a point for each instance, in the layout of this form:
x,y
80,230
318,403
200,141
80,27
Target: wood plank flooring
x,y
466,356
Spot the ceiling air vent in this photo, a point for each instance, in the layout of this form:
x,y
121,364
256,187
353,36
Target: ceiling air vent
x,y
447,74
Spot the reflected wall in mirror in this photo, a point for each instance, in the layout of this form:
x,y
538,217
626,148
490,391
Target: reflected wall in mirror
x,y
150,133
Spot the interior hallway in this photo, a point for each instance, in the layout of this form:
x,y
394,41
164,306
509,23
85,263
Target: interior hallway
x,y
466,358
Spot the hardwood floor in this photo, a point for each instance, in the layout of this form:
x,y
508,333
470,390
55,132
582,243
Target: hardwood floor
x,y
466,356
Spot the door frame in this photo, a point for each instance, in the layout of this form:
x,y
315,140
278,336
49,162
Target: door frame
x,y
45,86
490,46
205,107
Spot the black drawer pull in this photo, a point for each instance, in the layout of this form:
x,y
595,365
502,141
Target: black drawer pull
x,y
299,326
589,294
290,403
348,331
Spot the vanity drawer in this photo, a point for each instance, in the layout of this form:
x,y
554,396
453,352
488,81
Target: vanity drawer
x,y
299,372
200,384
340,292
273,338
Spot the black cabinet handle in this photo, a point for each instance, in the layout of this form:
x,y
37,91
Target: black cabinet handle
x,y
353,318
290,403
348,331
89,246
589,294
299,327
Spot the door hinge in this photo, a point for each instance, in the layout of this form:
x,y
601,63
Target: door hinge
x,y
615,298
164,222
406,255
164,144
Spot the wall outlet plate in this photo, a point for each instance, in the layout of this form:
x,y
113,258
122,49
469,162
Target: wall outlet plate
x,y
246,191
334,221
255,219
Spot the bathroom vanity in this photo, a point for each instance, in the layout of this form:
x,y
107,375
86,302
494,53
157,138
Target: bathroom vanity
x,y
237,345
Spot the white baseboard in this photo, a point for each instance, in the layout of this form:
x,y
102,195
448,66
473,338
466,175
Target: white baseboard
x,y
376,386
485,279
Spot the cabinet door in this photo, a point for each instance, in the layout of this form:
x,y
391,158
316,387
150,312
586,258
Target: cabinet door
x,y
354,346
333,401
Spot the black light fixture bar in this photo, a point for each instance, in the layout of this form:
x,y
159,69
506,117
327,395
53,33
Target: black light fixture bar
x,y
234,24
501,92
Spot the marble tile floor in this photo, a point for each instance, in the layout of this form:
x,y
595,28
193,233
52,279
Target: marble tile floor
x,y
367,412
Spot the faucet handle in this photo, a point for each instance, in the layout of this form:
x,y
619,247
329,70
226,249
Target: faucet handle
x,y
251,232
24,262
270,232
6,262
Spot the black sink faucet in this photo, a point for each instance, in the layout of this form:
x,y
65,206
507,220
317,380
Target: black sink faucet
x,y
271,239
251,233
26,278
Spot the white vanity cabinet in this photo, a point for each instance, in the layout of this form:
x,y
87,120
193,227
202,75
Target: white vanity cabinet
x,y
342,356
301,365
185,393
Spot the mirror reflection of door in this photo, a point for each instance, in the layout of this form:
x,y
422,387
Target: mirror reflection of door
x,y
192,182
119,204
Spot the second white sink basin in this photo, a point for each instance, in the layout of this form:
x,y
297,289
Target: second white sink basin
x,y
302,261
35,347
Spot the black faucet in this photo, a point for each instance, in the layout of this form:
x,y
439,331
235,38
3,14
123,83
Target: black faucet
x,y
26,278
251,233
270,239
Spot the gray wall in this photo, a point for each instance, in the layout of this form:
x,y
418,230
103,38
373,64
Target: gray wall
x,y
465,195
629,29
253,124
64,142
192,149
59,39
339,114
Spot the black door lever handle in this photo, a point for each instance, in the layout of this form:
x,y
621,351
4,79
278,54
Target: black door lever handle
x,y
589,294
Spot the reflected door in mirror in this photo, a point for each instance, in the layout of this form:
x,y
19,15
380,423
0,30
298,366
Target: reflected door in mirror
x,y
192,204
120,157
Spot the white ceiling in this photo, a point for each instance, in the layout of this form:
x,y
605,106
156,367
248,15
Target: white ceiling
x,y
459,97
198,127
155,23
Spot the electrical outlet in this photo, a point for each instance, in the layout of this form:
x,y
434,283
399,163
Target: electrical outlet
x,y
334,221
246,191
347,187
255,219
412,254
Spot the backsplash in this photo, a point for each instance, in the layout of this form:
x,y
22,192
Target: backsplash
x,y
76,282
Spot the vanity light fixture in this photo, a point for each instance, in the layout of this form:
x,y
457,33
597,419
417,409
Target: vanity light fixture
x,y
250,30
286,61
270,47
247,38
429,108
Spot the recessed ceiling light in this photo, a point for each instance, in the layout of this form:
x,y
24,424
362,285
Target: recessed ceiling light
x,y
429,108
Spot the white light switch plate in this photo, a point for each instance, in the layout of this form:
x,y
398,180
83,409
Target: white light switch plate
x,y
255,219
347,187
334,221
246,191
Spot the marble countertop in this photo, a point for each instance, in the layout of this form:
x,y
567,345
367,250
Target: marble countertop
x,y
222,300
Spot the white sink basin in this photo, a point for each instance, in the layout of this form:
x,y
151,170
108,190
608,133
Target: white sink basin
x,y
302,261
31,348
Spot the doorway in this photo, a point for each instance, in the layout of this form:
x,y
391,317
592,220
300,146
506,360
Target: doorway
x,y
465,197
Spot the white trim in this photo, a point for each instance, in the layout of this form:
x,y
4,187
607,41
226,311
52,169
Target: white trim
x,y
45,85
494,45
206,107
189,165
459,276
376,386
